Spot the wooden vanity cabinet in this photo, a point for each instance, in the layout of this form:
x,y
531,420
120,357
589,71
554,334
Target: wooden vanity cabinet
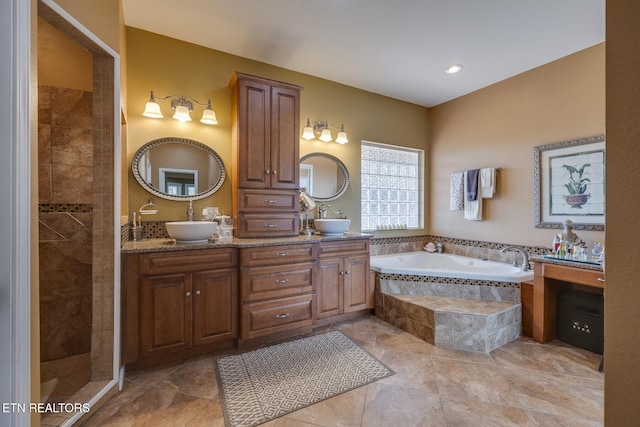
x,y
277,289
265,156
176,304
344,284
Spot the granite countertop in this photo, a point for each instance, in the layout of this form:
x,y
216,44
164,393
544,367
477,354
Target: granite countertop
x,y
168,245
567,262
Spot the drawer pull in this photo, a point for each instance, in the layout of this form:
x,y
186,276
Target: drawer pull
x,y
270,202
282,254
283,316
270,226
282,280
600,279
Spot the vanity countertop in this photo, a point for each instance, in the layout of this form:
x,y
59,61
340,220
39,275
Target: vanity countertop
x,y
567,263
168,245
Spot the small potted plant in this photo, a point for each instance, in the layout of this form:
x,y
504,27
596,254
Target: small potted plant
x,y
577,186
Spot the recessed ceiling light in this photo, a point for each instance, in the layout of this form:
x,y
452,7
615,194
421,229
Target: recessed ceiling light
x,y
452,69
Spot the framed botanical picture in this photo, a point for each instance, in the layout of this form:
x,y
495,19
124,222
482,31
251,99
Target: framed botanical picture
x,y
569,183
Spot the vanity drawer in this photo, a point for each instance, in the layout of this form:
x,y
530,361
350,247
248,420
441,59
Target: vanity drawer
x,y
283,314
282,254
268,225
187,261
262,283
266,200
345,247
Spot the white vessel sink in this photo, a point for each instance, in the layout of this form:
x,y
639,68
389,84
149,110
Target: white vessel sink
x,y
332,226
191,231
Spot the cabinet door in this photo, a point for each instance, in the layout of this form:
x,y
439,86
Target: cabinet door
x,y
285,138
357,291
330,301
165,314
215,306
254,134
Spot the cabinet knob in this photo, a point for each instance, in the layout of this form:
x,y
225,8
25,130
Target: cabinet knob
x,y
197,292
274,172
188,294
283,316
342,273
267,171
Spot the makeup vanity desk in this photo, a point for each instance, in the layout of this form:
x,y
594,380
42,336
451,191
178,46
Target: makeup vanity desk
x,y
550,276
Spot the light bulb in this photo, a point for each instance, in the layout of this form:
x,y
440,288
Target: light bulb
x,y
182,114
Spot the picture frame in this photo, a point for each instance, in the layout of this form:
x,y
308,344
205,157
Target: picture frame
x,y
569,184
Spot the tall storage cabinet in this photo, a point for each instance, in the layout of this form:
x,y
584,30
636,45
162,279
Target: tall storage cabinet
x,y
265,152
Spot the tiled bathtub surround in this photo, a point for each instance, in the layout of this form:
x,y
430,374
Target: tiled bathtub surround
x,y
461,314
453,323
447,287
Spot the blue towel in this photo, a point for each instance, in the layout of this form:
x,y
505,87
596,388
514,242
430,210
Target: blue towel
x,y
472,184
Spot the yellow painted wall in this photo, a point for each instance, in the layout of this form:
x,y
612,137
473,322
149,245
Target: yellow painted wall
x,y
101,17
622,292
62,62
172,67
498,126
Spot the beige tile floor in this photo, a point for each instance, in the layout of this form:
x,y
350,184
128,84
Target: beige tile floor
x,y
520,384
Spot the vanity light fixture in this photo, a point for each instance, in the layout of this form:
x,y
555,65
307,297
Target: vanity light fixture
x,y
322,128
452,69
182,106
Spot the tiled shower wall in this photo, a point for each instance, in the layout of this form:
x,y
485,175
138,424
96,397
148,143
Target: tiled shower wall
x,y
65,202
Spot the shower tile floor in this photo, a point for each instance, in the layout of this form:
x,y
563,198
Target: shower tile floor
x,y
522,383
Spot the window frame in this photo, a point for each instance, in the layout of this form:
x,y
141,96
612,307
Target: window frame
x,y
419,191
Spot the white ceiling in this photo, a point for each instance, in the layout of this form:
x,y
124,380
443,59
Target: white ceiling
x,y
397,48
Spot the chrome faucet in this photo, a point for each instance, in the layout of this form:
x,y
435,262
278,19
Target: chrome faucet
x,y
322,210
525,257
190,211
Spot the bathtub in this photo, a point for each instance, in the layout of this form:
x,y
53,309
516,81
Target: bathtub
x,y
448,265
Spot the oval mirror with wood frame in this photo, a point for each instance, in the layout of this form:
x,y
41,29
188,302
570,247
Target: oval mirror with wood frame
x,y
323,176
178,169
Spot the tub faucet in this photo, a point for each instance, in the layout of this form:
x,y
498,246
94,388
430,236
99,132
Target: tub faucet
x,y
525,257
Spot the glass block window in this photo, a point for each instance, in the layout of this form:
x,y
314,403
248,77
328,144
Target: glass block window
x,y
391,187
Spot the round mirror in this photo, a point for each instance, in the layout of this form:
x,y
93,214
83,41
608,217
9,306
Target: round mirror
x,y
323,176
178,169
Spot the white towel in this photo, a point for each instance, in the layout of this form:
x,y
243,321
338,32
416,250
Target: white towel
x,y
456,191
472,209
488,180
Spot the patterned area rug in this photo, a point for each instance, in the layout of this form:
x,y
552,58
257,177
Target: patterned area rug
x,y
268,383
